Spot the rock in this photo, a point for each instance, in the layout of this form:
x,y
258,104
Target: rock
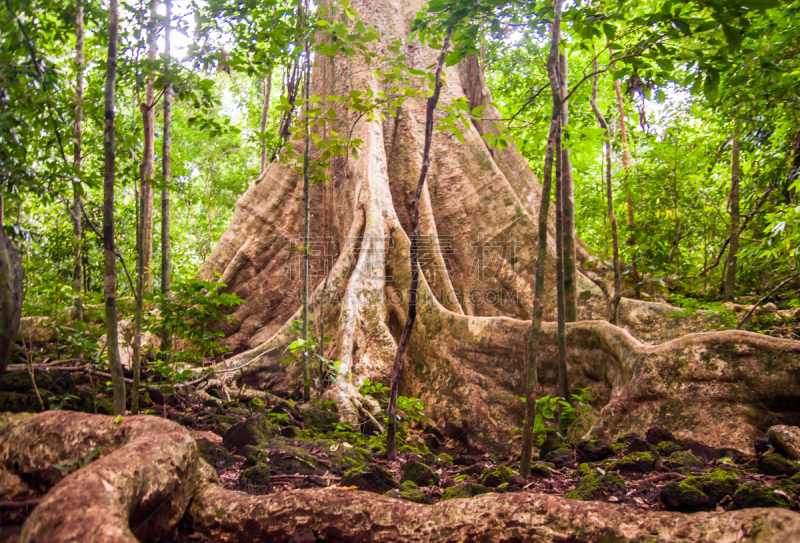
x,y
494,477
758,496
256,478
656,435
703,492
464,490
541,470
775,464
770,307
640,462
666,448
319,420
432,442
428,459
734,454
464,460
409,491
254,454
786,438
419,474
216,455
597,487
561,457
683,459
701,451
761,445
593,450
634,443
550,445
431,430
292,432
472,470
444,459
253,430
369,477
517,480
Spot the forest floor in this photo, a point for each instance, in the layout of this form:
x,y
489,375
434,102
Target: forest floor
x,y
280,445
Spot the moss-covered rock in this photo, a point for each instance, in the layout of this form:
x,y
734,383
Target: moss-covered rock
x,y
292,432
410,492
464,490
683,460
634,443
369,477
215,455
256,478
775,464
550,445
758,496
561,457
596,486
419,473
319,420
444,459
666,448
255,454
493,477
638,462
703,492
593,450
541,470
253,430
377,444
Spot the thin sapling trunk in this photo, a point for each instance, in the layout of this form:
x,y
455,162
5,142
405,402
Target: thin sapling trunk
x,y
397,369
730,276
77,235
166,149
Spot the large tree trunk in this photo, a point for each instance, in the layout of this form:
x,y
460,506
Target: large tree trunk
x,y
466,355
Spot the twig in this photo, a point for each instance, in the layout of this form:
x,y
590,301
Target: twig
x,y
747,316
11,504
29,358
661,477
50,367
217,372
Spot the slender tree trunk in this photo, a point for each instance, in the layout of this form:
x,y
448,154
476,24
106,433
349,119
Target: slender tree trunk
x,y
110,279
730,276
77,274
568,199
306,226
610,196
166,177
148,158
10,293
264,117
535,334
625,165
397,369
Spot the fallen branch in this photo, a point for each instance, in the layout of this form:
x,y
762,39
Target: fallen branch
x,y
218,372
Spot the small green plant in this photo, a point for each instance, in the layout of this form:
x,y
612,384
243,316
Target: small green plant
x,y
60,401
326,371
368,389
576,414
277,418
75,465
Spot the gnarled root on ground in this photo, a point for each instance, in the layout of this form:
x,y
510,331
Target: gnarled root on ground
x,y
148,475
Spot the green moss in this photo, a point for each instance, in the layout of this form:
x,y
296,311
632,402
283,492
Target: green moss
x,y
758,496
461,478
213,454
699,492
255,454
775,464
370,477
641,462
541,470
319,420
462,491
667,448
415,447
419,473
410,492
683,459
597,486
256,478
493,477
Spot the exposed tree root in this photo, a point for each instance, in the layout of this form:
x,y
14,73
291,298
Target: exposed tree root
x,y
149,475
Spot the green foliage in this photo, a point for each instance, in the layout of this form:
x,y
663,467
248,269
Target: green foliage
x,y
74,465
576,415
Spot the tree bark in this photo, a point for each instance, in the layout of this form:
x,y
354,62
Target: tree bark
x,y
264,117
306,214
568,199
110,278
625,165
730,277
610,196
147,170
397,370
166,177
535,333
77,237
